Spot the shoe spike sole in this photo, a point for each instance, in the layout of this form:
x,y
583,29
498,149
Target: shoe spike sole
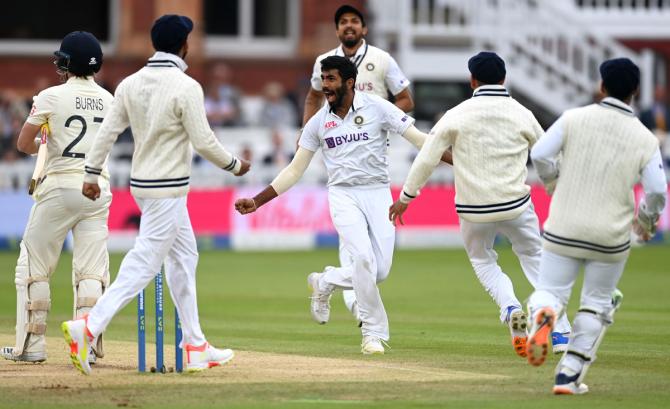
x,y
538,344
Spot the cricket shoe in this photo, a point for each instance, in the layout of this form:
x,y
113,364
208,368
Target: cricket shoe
x,y
372,345
538,340
199,358
35,357
559,342
92,358
567,385
320,300
79,339
518,325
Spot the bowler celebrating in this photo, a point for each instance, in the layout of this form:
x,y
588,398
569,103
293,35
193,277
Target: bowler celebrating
x,y
377,73
351,132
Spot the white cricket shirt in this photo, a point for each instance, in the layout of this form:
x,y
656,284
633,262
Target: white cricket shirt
x,y
354,148
74,112
377,71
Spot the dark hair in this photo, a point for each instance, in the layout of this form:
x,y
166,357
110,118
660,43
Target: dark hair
x,y
170,32
344,66
348,9
621,77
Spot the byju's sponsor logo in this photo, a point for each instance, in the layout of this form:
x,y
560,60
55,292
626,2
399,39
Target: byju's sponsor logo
x,y
335,141
364,86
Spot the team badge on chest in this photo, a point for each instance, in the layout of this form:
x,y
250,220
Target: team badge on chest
x,y
358,120
369,66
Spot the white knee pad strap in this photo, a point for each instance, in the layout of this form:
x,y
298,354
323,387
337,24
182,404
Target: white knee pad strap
x,y
38,305
36,328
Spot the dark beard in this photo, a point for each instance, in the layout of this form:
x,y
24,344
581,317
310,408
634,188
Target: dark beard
x,y
339,93
351,43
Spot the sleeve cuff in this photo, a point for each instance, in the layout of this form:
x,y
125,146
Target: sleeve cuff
x,y
90,178
234,166
406,198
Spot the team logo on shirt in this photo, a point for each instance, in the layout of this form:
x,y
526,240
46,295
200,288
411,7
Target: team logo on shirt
x,y
370,66
330,124
358,120
347,138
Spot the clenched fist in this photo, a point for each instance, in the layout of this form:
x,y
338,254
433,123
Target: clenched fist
x,y
245,205
91,190
246,165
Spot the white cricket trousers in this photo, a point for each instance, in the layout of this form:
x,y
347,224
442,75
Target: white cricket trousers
x,y
56,211
360,216
557,277
524,234
165,238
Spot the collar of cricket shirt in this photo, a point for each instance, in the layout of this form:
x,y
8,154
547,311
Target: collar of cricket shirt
x,y
618,105
492,90
163,59
358,57
74,79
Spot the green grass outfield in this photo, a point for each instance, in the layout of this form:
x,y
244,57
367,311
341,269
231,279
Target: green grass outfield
x,y
441,319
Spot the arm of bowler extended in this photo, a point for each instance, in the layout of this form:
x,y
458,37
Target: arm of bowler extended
x,y
545,153
417,138
288,177
283,182
655,187
429,156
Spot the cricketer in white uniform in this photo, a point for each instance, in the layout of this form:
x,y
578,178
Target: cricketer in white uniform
x,y
165,109
378,74
73,111
350,131
491,135
604,152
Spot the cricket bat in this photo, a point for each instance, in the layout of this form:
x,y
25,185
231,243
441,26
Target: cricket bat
x,y
41,160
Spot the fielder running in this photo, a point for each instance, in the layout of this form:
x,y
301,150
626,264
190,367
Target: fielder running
x,y
605,150
378,74
165,109
73,112
350,131
491,135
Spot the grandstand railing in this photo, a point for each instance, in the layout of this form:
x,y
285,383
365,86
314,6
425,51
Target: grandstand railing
x,y
551,48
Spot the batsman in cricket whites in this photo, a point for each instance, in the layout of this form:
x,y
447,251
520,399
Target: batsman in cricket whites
x,y
72,112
